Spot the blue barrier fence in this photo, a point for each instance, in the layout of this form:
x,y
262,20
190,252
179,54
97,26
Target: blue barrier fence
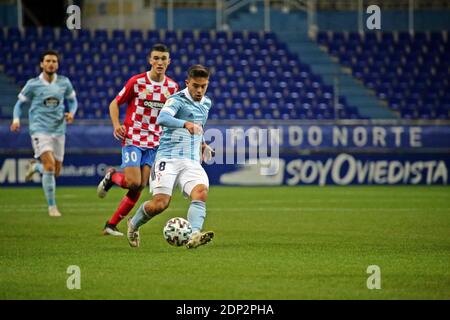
x,y
291,137
311,154
322,169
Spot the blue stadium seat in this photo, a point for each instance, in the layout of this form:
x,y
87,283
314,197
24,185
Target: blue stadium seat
x,y
66,35
48,34
187,36
338,37
399,71
118,35
221,36
354,37
153,36
253,66
404,37
84,35
370,37
252,35
436,37
420,37
136,35
31,33
269,36
170,36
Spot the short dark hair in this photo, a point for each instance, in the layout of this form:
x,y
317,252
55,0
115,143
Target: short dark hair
x,y
49,53
158,47
198,71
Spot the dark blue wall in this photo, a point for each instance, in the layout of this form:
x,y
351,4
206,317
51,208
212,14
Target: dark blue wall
x,y
8,15
369,154
424,20
390,20
187,19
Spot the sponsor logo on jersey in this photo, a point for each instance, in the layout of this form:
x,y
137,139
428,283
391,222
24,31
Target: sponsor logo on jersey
x,y
153,104
51,102
166,93
170,102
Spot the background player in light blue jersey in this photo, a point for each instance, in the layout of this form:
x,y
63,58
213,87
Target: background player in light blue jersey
x,y
178,160
47,122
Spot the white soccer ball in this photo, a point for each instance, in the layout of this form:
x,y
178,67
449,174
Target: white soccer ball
x,y
177,231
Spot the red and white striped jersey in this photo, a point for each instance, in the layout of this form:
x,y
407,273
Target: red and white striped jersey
x,y
145,99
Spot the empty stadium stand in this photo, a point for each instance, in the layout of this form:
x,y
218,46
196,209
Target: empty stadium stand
x,y
409,72
254,75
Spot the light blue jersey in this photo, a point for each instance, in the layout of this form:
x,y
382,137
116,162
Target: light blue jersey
x,y
46,114
178,143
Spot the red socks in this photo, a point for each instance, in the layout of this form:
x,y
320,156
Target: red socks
x,y
125,205
119,179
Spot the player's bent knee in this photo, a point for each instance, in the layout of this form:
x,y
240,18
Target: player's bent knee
x,y
157,205
58,170
155,208
134,186
142,187
160,207
49,167
162,203
200,192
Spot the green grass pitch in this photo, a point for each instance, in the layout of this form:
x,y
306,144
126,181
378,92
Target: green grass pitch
x,y
271,243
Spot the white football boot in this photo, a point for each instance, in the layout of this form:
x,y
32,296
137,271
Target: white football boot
x,y
53,211
106,183
199,238
111,230
132,235
31,170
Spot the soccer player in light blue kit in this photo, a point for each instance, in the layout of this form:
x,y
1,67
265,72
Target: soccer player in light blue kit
x,y
178,160
47,122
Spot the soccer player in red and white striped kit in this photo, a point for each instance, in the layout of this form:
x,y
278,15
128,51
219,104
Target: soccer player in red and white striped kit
x,y
145,95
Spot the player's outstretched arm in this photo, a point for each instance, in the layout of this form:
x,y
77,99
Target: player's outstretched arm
x,y
168,120
69,117
73,106
119,130
15,125
193,128
207,152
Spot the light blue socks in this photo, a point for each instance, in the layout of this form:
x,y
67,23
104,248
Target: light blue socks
x,y
196,215
141,217
38,168
49,186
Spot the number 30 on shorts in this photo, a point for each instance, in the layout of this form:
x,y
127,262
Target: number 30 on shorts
x,y
130,155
